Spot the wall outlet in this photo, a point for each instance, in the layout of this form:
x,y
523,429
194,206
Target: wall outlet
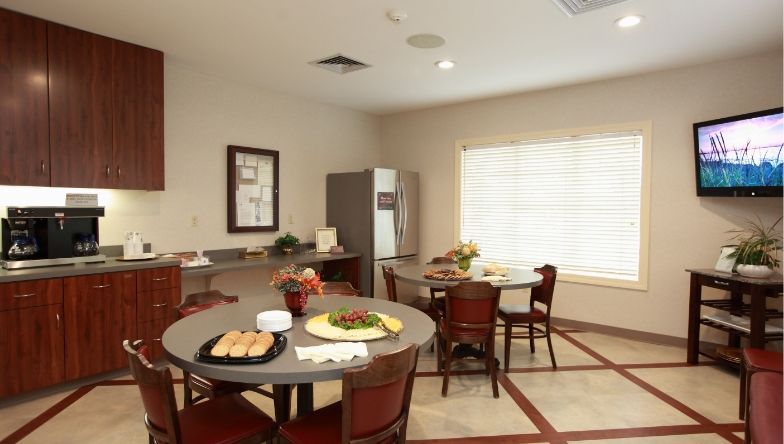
x,y
194,221
291,219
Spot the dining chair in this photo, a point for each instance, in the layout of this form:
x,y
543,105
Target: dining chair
x,y
438,302
471,309
422,304
374,407
209,388
340,288
528,316
227,419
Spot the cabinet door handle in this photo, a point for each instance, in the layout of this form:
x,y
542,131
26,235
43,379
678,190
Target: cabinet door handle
x,y
156,339
19,296
159,305
43,167
107,170
102,286
726,284
57,316
160,279
118,171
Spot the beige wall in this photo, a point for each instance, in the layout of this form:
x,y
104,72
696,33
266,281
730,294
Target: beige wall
x,y
686,231
202,116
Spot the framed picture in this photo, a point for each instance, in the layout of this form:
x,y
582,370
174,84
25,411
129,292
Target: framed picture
x,y
325,238
252,189
725,264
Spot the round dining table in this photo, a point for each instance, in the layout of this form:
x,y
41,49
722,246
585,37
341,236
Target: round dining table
x,y
183,338
519,278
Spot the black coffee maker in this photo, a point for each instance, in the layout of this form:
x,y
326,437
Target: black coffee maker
x,y
45,236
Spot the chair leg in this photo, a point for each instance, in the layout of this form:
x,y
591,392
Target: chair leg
x,y
550,347
151,439
490,364
507,343
186,389
447,367
531,337
742,394
439,352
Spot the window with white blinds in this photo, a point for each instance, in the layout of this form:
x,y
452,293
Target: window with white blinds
x,y
574,202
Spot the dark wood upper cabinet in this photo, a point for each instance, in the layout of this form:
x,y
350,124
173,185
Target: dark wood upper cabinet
x,y
24,121
138,117
80,108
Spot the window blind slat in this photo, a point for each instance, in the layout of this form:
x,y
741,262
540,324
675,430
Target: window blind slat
x,y
572,202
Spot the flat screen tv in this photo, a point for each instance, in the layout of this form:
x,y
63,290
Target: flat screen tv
x,y
740,155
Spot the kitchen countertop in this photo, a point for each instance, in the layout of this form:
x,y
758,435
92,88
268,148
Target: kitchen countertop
x,y
220,265
111,265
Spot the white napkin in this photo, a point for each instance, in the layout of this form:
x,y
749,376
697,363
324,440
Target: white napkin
x,y
496,278
339,351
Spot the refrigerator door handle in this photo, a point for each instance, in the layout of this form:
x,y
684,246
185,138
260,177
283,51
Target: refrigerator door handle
x,y
403,211
398,212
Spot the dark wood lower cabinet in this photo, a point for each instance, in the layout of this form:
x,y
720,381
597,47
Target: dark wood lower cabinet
x,y
31,348
100,312
151,333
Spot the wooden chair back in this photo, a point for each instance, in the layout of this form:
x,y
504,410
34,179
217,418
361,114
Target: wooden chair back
x,y
473,306
389,278
441,260
377,397
340,288
157,394
544,292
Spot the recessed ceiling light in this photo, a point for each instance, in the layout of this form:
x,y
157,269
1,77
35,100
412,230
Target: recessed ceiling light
x,y
445,64
628,21
425,41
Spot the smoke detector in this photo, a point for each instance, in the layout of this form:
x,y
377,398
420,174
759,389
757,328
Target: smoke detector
x,y
339,63
575,7
396,15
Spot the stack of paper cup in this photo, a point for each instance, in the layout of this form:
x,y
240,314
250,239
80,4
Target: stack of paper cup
x,y
273,320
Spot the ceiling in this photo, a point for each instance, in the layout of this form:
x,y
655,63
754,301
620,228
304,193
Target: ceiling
x,y
501,46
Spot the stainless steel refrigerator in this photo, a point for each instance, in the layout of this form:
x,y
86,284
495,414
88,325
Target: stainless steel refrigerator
x,y
376,213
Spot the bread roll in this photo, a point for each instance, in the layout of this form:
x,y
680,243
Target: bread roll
x,y
220,350
238,351
258,349
234,334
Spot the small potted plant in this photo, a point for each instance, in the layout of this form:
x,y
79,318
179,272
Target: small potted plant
x,y
295,283
287,242
464,252
757,252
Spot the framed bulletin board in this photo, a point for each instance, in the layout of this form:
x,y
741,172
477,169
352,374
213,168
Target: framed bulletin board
x,y
252,189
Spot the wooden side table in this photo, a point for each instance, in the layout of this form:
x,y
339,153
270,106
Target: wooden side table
x,y
738,286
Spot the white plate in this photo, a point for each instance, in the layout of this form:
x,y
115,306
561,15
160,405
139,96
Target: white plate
x,y
197,266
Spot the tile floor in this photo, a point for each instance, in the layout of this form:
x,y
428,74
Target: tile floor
x,y
606,390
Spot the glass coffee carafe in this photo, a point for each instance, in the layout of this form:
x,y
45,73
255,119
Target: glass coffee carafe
x,y
23,246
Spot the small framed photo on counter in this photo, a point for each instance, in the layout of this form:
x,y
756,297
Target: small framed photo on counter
x,y
325,239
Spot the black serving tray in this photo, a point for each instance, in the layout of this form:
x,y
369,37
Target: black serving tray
x,y
203,354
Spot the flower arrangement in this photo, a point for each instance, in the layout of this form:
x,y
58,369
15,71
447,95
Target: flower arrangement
x,y
464,250
294,279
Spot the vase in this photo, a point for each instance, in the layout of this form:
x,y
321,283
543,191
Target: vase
x,y
296,302
464,263
754,271
287,249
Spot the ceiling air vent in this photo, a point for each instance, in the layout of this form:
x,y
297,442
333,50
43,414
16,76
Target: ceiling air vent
x,y
339,63
575,7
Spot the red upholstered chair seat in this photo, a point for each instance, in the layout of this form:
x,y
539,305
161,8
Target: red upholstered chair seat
x,y
227,419
523,313
763,360
765,408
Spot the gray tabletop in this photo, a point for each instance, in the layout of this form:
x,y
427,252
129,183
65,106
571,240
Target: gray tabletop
x,y
184,337
520,278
